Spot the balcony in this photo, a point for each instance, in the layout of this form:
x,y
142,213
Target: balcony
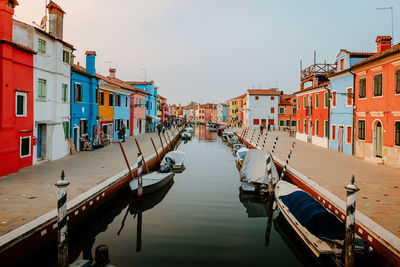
x,y
317,69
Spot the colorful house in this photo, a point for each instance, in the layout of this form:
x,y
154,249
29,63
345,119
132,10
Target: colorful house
x,y
84,104
205,112
287,111
261,108
151,102
138,112
16,96
376,105
51,83
313,104
106,110
236,108
161,106
341,105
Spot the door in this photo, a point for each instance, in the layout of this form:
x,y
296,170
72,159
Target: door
x,y
140,126
340,138
378,140
264,123
76,138
39,141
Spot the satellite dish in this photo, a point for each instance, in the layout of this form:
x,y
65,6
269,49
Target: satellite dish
x,y
43,22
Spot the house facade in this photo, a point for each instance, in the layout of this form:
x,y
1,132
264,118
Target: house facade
x,y
16,96
51,82
84,104
161,107
138,112
377,109
287,111
341,105
261,108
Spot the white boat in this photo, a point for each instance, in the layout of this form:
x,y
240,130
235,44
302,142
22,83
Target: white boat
x,y
151,182
189,129
253,173
237,146
186,135
240,154
173,160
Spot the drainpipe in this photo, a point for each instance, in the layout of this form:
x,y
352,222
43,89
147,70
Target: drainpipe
x,y
354,98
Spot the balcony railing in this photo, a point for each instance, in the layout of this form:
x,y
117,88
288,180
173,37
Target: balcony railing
x,y
317,69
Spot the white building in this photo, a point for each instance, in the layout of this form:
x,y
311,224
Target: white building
x,y
261,108
51,85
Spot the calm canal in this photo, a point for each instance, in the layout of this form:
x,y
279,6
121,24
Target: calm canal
x,y
200,219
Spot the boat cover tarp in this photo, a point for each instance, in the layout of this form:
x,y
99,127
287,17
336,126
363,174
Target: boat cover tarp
x,y
313,216
255,166
177,156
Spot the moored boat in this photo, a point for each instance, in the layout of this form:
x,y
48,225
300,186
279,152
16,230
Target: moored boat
x,y
151,182
173,161
186,135
240,154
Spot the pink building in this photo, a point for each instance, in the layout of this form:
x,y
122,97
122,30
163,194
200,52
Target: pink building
x,y
138,112
205,112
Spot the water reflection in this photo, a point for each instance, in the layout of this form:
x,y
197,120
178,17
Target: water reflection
x,y
205,135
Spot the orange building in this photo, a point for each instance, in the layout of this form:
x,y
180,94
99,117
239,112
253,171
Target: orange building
x,y
287,111
106,110
377,105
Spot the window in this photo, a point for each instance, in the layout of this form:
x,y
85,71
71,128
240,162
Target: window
x,y
97,96
334,99
281,123
20,104
256,121
298,125
256,97
272,110
66,129
397,133
117,100
111,100
294,110
126,101
304,126
362,87
127,124
333,132
361,129
42,89
304,102
349,135
349,96
294,100
64,93
378,84
272,97
78,92
84,126
398,81
326,100
117,125
293,123
342,64
101,98
66,57
316,100
281,110
316,127
326,129
25,146
41,46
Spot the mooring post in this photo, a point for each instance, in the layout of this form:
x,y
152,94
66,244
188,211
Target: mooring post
x,y
158,156
126,160
287,160
350,221
140,151
162,145
265,139
269,176
169,138
62,221
140,164
273,148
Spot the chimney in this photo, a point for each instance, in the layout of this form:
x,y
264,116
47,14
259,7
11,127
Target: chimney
x,y
91,62
315,81
56,20
383,43
6,18
112,73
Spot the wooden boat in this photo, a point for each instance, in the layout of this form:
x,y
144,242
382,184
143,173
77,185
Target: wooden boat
x,y
173,161
186,135
227,133
253,174
240,154
151,182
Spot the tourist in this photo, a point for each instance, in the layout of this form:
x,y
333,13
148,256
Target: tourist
x,y
261,129
122,132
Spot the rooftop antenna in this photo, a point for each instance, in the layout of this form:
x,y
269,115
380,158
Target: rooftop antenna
x,y
145,73
391,12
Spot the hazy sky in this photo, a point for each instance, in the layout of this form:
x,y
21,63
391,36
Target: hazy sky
x,y
212,50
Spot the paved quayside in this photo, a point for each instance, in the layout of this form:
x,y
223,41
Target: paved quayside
x,y
31,192
379,195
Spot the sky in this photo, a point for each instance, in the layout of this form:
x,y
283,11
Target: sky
x,y
213,50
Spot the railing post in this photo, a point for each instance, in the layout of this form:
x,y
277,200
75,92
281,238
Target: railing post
x,y
350,221
158,156
62,221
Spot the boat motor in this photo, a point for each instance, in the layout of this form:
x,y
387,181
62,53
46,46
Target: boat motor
x,y
168,166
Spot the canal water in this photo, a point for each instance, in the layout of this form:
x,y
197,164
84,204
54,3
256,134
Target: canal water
x,y
199,219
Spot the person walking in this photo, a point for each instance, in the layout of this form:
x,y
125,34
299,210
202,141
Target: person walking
x,y
159,128
261,129
122,132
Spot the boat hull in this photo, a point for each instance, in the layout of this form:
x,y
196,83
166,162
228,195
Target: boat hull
x,y
151,185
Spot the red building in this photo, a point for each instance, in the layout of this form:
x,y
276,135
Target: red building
x,y
287,111
16,96
377,105
313,105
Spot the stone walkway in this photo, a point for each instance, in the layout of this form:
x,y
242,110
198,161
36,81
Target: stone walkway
x,y
31,192
379,195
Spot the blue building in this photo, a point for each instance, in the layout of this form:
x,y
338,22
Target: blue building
x,y
84,106
151,102
341,109
121,113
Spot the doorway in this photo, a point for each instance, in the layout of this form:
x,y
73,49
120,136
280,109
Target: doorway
x,y
76,138
378,139
39,141
340,137
264,123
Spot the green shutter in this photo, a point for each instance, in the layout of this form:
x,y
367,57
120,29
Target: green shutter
x,y
316,100
66,129
294,110
316,127
281,123
42,89
326,128
326,104
64,93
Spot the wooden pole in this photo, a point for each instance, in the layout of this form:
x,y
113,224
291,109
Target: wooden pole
x,y
273,148
62,221
158,156
162,145
269,176
140,151
165,139
126,160
265,138
350,221
140,181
